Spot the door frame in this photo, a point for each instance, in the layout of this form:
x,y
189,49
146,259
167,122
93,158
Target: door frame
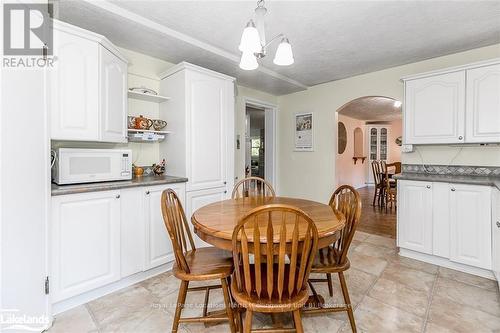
x,y
271,109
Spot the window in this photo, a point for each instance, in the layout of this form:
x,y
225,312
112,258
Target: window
x,y
255,147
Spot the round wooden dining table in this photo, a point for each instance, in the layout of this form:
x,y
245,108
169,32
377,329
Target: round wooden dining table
x,y
215,222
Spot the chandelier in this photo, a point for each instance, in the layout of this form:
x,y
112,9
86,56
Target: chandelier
x,y
253,43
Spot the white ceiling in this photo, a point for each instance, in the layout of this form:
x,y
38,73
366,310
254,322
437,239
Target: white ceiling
x,y
372,109
331,40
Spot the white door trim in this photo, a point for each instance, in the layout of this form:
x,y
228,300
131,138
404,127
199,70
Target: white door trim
x,y
273,108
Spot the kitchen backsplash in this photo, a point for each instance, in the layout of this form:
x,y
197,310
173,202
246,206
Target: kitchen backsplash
x,y
463,170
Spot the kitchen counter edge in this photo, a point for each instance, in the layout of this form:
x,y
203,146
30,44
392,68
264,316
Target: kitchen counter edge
x,y
115,185
456,179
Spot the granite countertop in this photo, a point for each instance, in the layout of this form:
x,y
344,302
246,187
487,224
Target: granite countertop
x,y
458,179
115,185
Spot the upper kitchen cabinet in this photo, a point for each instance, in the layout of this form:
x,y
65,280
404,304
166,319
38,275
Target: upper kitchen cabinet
x,y
483,104
87,87
201,116
456,105
434,109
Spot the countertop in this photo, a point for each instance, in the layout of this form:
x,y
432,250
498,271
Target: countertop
x,y
108,186
457,179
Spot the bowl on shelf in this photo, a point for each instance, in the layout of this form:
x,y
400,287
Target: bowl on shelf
x,y
131,122
159,124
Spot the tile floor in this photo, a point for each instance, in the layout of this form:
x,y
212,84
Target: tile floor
x,y
389,293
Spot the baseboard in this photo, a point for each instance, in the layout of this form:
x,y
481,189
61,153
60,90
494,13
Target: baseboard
x,y
75,301
440,261
360,186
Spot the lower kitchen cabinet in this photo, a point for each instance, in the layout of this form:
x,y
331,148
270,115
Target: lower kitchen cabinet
x,y
133,238
470,225
450,222
85,233
98,238
495,230
158,244
198,199
415,216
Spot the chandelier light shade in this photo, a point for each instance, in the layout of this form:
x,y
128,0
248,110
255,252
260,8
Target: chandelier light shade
x,y
284,55
250,40
253,43
248,61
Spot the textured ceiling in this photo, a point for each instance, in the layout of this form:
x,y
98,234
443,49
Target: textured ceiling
x,y
331,40
372,108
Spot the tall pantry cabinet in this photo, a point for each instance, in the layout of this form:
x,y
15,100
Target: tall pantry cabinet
x,y
201,146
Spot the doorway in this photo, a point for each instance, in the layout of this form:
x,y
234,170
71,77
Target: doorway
x,y
260,140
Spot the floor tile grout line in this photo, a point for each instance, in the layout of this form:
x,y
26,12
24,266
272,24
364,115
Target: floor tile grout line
x,y
92,316
429,303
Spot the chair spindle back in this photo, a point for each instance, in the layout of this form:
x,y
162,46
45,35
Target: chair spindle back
x,y
177,227
278,232
252,187
348,201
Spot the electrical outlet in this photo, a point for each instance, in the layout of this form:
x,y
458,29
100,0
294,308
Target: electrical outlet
x,y
407,148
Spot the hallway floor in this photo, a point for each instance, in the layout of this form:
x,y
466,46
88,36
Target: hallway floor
x,y
389,294
376,220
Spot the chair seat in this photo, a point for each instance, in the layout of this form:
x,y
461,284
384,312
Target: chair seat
x,y
206,263
326,262
264,303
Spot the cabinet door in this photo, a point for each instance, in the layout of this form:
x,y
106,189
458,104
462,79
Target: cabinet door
x,y
441,219
198,199
85,242
470,225
207,131
483,104
73,92
496,236
415,216
113,97
133,240
434,109
159,248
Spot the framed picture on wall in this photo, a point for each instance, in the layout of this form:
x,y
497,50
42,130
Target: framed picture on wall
x,y
304,129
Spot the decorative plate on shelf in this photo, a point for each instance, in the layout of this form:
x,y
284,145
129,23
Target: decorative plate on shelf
x,y
143,90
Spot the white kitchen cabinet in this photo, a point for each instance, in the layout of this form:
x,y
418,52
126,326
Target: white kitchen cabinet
x,y
441,219
87,87
113,97
470,225
73,82
483,104
434,109
201,115
159,249
495,230
85,242
198,199
415,216
133,225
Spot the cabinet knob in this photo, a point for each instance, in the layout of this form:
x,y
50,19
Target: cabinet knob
x,y
225,183
147,192
428,186
117,196
452,189
498,224
225,191
460,137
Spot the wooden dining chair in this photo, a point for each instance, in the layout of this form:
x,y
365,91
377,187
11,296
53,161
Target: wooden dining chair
x,y
191,264
252,187
333,259
284,244
377,179
390,191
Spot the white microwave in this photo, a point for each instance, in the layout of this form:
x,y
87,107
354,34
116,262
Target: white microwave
x,y
76,165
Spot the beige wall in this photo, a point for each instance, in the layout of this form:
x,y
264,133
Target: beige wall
x,y
346,171
396,130
312,174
